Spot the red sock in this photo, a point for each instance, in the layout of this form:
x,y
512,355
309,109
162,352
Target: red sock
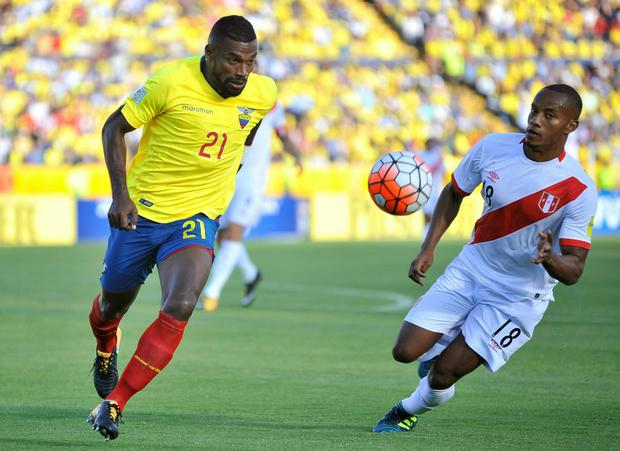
x,y
155,350
104,331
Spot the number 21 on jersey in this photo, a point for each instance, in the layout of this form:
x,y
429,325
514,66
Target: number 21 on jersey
x,y
213,139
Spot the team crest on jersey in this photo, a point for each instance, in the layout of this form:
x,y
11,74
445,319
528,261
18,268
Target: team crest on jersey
x,y
244,117
548,202
493,176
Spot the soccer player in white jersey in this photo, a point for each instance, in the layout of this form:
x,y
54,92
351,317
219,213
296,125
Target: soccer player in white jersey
x,y
244,211
534,231
432,155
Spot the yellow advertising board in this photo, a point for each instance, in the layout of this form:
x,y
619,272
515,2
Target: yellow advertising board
x,y
336,216
37,220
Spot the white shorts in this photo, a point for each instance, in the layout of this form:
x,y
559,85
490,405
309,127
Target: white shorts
x,y
245,206
494,323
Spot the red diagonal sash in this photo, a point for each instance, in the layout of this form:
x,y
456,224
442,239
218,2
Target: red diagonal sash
x,y
527,210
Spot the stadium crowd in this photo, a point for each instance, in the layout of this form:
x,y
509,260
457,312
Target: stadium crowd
x,y
352,87
508,50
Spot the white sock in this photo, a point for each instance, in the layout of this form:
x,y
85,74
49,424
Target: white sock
x,y
247,267
225,261
424,398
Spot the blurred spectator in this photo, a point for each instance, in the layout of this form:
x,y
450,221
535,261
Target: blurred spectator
x,y
432,154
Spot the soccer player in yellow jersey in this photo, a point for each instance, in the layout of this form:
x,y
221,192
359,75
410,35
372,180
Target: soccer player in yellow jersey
x,y
198,114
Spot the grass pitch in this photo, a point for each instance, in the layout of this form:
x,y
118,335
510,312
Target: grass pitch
x,y
308,366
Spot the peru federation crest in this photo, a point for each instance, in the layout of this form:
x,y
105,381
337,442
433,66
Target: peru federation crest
x,y
548,203
245,115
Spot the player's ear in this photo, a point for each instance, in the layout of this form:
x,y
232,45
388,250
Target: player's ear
x,y
571,126
208,51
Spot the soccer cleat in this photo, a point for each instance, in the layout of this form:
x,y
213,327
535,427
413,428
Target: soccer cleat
x,y
250,290
425,366
104,419
105,372
209,304
396,420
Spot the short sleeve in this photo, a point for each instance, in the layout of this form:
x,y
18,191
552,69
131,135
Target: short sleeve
x,y
576,227
467,176
146,102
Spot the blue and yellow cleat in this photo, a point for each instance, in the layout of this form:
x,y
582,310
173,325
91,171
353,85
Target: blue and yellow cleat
x,y
425,366
396,420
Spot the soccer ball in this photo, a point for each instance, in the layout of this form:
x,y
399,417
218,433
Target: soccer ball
x,y
400,183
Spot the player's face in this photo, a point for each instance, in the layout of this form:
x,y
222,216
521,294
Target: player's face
x,y
550,121
229,65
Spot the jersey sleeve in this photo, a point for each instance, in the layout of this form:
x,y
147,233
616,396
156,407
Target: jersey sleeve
x,y
146,102
576,228
467,175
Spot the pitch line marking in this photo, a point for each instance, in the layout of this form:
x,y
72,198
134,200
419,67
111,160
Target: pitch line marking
x,y
399,302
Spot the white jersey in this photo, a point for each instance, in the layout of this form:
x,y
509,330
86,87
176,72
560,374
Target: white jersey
x,y
522,198
245,206
258,155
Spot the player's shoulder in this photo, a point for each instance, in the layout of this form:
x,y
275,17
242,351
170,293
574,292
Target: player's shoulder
x,y
499,144
260,92
181,67
502,139
575,169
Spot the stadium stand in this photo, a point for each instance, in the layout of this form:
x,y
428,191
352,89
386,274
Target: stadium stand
x,y
353,87
508,50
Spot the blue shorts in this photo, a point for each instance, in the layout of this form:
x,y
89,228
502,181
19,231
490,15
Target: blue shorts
x,y
131,254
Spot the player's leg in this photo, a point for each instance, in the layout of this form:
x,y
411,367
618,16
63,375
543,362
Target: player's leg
x,y
429,327
224,264
413,341
251,277
105,316
457,360
128,260
184,261
490,334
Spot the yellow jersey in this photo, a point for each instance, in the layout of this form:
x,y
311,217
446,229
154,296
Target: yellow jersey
x,y
192,141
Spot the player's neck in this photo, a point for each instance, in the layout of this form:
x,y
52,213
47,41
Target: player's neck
x,y
542,154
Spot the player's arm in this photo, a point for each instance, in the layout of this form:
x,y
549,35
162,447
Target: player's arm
x,y
248,142
447,208
566,267
290,148
123,213
250,139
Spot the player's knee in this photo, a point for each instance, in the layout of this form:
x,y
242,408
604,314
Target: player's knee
x,y
403,353
180,306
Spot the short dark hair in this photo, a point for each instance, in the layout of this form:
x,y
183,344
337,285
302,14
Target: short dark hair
x,y
236,28
571,93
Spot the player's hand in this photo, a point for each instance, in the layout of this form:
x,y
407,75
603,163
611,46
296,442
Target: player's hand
x,y
420,265
123,214
543,248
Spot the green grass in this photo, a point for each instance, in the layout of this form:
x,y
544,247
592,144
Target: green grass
x,y
307,367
